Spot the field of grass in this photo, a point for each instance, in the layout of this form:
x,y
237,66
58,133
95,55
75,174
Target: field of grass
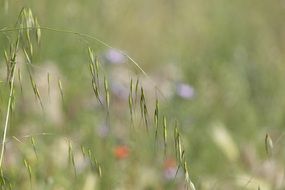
x,y
150,94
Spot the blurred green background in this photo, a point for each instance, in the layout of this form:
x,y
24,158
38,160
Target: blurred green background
x,y
228,55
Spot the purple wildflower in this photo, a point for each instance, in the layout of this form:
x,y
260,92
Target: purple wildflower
x,y
114,56
185,91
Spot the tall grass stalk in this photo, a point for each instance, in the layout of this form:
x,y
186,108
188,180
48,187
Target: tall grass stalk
x,y
9,106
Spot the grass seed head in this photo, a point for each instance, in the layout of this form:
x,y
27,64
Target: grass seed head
x,y
268,145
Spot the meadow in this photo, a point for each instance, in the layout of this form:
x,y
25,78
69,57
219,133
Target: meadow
x,y
152,94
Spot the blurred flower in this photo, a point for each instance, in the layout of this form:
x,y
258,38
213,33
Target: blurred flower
x,y
115,56
223,139
120,90
185,91
169,168
121,152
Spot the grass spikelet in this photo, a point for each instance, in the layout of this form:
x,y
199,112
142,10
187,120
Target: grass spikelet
x,y
97,68
92,70
83,151
142,101
36,91
17,45
178,144
130,104
183,164
131,86
108,100
94,163
99,171
90,155
189,183
16,139
268,145
71,157
164,134
136,90
156,117
13,101
27,56
176,140
28,38
91,55
130,98
6,57
60,89
143,108
96,91
38,31
29,169
34,146
94,66
98,167
107,93
179,149
3,180
30,18
186,173
145,114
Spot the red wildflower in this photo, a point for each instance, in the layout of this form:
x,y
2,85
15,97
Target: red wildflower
x,y
121,152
